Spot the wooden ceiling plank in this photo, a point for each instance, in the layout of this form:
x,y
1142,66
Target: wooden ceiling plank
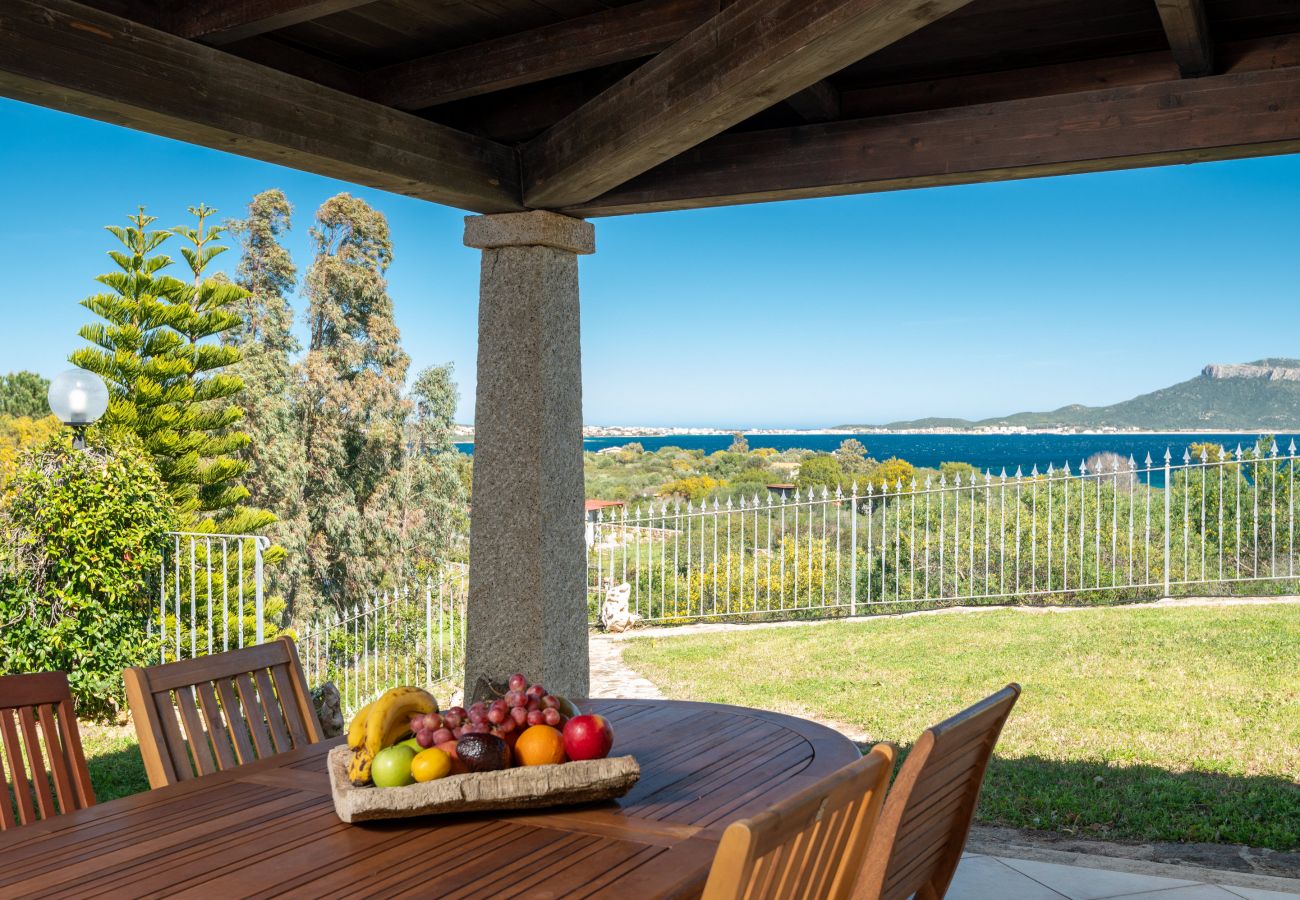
x,y
270,51
614,35
233,20
69,56
743,60
1253,113
1189,36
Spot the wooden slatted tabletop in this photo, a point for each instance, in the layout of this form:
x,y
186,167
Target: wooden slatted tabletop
x,y
269,828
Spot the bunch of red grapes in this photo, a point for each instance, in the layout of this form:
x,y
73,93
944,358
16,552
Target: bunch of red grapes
x,y
522,706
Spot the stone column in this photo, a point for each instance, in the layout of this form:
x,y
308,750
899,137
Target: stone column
x,y
527,584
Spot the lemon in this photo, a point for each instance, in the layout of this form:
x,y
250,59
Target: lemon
x,y
431,764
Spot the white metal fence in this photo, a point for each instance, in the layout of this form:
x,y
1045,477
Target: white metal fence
x,y
1221,522
1197,524
410,635
211,594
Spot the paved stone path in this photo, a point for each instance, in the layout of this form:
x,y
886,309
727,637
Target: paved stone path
x,y
611,677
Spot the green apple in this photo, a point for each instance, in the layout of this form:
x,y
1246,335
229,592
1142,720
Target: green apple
x,y
392,767
412,743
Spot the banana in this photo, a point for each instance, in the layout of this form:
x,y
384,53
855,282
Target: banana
x,y
357,730
386,721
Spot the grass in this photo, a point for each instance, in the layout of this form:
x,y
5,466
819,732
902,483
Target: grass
x,y
113,757
1174,724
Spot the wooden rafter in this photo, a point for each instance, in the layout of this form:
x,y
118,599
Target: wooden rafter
x,y
1218,117
233,20
748,57
1189,36
614,35
71,57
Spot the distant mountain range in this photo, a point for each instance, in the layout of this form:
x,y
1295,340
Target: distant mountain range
x,y
1259,396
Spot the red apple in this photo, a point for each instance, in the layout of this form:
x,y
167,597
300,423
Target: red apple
x,y
588,737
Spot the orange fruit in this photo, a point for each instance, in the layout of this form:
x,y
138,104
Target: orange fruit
x,y
540,745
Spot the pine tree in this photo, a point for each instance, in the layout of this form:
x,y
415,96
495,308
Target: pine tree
x,y
165,373
135,352
352,409
275,452
23,394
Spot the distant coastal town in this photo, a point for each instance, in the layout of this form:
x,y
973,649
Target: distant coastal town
x,y
466,432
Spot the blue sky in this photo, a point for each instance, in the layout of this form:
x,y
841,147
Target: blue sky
x,y
968,301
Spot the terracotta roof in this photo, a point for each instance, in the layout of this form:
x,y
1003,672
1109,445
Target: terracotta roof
x,y
601,504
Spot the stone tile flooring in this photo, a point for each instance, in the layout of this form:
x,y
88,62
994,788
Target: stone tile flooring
x,y
981,877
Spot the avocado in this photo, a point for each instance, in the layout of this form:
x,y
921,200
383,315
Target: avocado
x,y
483,752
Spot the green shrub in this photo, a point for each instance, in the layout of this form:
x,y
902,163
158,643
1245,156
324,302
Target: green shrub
x,y
81,533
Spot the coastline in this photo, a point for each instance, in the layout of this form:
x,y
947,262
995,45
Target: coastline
x,y
591,432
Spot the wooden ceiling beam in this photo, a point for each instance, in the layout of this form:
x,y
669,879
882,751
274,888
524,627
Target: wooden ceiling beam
x,y
225,21
1254,113
588,42
745,59
1189,36
72,57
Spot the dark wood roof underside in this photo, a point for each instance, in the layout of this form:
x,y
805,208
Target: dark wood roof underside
x,y
604,106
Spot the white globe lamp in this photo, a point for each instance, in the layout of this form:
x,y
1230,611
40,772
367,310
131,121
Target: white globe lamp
x,y
78,398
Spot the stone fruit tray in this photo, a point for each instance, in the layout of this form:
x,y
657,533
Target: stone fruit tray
x,y
527,787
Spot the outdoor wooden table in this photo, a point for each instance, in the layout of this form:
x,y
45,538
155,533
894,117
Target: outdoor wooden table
x,y
269,828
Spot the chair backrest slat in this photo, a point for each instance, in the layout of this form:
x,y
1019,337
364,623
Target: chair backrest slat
x,y
63,789
235,707
178,754
32,741
928,813
38,732
235,722
284,688
195,734
274,714
254,714
17,767
216,725
810,845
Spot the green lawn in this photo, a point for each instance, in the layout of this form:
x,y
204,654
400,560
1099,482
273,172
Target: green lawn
x,y
1177,724
113,757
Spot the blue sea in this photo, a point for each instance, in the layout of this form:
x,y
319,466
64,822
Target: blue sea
x,y
984,451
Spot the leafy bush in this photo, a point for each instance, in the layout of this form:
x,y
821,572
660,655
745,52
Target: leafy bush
x,y
80,535
694,489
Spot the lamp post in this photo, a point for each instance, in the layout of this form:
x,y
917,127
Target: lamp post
x,y
78,398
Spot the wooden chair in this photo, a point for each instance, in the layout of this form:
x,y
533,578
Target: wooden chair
x,y
916,848
26,702
809,845
251,703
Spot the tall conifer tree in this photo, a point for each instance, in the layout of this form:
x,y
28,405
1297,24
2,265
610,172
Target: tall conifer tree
x,y
275,454
353,409
156,352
